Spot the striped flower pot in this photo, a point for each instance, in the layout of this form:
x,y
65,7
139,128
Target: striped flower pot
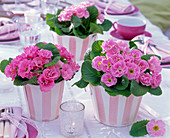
x,y
44,106
75,45
114,110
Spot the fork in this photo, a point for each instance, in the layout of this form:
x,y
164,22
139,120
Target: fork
x,y
6,127
1,125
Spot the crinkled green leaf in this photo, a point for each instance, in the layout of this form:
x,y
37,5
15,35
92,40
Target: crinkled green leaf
x,y
139,128
89,74
147,57
106,25
138,89
93,12
132,45
79,34
96,49
122,83
3,65
76,21
94,28
53,62
58,31
156,91
24,81
81,83
38,71
40,45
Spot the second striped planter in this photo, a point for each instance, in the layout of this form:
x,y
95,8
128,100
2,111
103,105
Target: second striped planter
x,y
114,110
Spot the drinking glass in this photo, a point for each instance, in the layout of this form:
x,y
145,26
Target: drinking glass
x,y
29,29
71,118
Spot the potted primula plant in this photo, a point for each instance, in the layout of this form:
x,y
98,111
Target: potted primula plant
x,y
76,27
42,69
119,75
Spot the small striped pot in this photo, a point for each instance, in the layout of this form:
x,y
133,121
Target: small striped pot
x,y
114,110
44,106
75,45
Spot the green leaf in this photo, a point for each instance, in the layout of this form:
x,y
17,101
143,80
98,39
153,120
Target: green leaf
x,y
40,45
65,30
147,57
51,21
132,45
81,83
53,62
96,49
156,91
138,89
94,28
76,21
87,55
114,92
24,81
89,74
49,16
58,31
122,84
106,25
139,128
79,34
93,12
59,10
3,65
37,71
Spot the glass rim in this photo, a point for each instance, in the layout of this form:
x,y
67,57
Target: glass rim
x,y
83,106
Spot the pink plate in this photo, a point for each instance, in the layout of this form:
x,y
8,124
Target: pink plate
x,y
116,34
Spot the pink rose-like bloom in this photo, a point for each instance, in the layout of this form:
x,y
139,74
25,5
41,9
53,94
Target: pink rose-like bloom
x,y
128,58
52,72
135,53
133,71
39,62
106,64
75,67
45,84
108,79
143,64
123,46
107,45
31,51
67,72
145,79
117,58
118,69
45,54
156,80
112,51
154,64
65,16
10,71
155,128
18,59
81,12
96,62
24,68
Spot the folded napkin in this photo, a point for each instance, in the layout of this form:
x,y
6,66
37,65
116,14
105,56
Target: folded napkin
x,y
20,127
115,7
148,46
8,29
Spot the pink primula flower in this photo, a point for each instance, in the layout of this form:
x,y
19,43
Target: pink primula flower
x,y
106,64
45,84
156,80
145,79
31,51
18,59
154,64
136,53
75,67
52,72
100,17
107,45
96,62
133,71
65,16
123,46
45,54
143,64
108,79
40,62
67,72
155,128
10,71
24,68
116,58
118,69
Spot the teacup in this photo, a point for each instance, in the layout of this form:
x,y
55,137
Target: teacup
x,y
130,27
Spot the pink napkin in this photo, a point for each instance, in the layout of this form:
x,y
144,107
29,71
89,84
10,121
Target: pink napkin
x,y
8,29
148,46
115,7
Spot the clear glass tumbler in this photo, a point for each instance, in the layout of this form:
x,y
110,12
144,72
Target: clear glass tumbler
x,y
71,118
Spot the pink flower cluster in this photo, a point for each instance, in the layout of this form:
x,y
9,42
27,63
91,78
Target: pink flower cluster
x,y
77,10
120,60
34,59
156,128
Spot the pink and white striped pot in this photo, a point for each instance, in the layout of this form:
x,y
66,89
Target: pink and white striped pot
x,y
114,110
44,106
75,45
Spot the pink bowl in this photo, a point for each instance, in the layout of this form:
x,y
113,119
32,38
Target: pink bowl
x,y
130,27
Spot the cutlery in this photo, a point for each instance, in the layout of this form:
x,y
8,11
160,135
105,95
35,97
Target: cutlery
x,y
6,128
1,124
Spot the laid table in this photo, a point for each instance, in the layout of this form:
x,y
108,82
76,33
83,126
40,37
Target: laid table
x,y
151,106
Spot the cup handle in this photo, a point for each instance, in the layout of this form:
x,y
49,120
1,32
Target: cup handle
x,y
115,23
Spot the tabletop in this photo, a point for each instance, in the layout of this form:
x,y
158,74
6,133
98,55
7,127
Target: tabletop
x,y
151,106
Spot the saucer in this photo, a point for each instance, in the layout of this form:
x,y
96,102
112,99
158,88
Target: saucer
x,y
116,34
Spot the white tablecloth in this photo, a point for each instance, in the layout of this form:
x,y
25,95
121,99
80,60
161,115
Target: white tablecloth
x,y
92,128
